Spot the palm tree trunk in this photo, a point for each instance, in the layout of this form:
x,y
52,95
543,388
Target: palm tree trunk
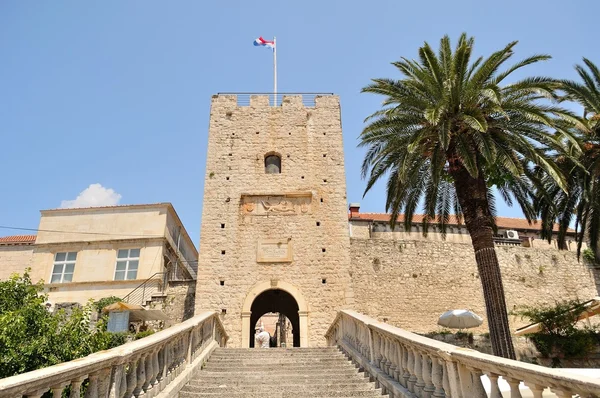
x,y
472,195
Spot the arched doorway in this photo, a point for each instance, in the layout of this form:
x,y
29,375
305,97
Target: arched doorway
x,y
275,296
278,301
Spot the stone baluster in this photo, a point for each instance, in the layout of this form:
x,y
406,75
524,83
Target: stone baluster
x,y
365,341
418,369
140,376
131,377
104,382
167,365
162,367
57,389
92,387
383,363
123,383
402,372
437,376
408,375
76,387
117,381
446,380
514,387
390,357
394,360
536,389
452,380
412,378
494,389
376,349
398,361
175,358
156,372
471,382
147,386
426,370
189,348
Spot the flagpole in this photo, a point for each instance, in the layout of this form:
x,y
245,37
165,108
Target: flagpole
x,y
275,70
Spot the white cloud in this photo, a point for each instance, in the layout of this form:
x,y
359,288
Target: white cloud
x,y
92,196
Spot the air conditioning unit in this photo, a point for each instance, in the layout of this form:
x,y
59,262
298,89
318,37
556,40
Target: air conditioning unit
x,y
512,234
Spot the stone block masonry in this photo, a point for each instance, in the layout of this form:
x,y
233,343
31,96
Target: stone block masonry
x,y
410,283
275,229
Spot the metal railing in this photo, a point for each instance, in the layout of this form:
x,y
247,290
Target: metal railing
x,y
145,290
501,241
308,99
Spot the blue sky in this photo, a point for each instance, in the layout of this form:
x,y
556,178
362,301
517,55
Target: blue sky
x,y
117,93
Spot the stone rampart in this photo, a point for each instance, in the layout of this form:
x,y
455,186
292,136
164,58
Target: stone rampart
x,y
410,283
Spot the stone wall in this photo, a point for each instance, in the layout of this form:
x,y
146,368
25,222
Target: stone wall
x,y
179,301
411,283
290,227
14,259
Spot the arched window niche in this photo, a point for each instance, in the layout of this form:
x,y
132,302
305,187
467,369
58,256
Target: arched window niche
x,y
272,163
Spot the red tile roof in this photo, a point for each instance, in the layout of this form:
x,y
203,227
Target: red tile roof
x,y
501,222
15,239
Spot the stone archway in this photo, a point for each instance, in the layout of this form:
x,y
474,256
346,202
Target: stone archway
x,y
288,289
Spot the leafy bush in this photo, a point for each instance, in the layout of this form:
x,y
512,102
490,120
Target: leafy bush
x,y
588,255
559,338
103,302
143,334
33,338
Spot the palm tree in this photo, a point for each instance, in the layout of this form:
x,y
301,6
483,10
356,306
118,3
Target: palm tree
x,y
582,198
448,132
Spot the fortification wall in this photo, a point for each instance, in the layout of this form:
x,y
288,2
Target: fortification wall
x,y
410,283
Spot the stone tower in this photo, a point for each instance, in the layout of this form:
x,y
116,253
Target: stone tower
x,y
274,234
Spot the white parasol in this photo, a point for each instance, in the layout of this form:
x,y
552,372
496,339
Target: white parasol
x,y
460,319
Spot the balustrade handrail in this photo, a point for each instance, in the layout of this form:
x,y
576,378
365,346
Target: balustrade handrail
x,y
166,350
394,346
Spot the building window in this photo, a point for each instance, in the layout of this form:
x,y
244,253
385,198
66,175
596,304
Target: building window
x,y
127,264
64,265
272,164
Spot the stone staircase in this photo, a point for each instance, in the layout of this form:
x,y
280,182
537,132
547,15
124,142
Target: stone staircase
x,y
279,372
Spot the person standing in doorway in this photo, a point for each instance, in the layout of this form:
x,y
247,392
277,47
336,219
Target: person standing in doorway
x,y
262,338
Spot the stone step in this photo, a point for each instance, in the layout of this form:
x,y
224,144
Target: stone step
x,y
261,365
280,349
294,378
281,387
317,382
279,373
276,393
275,354
330,357
272,372
284,369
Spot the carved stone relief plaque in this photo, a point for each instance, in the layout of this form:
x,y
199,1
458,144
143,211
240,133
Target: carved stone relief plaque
x,y
281,205
274,251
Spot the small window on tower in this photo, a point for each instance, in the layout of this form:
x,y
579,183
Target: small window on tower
x,y
272,164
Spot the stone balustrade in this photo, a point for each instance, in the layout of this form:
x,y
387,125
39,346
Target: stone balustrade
x,y
408,365
145,367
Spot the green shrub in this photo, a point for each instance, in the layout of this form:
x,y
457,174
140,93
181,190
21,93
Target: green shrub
x,y
32,337
103,302
588,255
559,338
143,334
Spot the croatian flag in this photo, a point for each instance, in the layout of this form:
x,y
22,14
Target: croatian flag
x,y
264,43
